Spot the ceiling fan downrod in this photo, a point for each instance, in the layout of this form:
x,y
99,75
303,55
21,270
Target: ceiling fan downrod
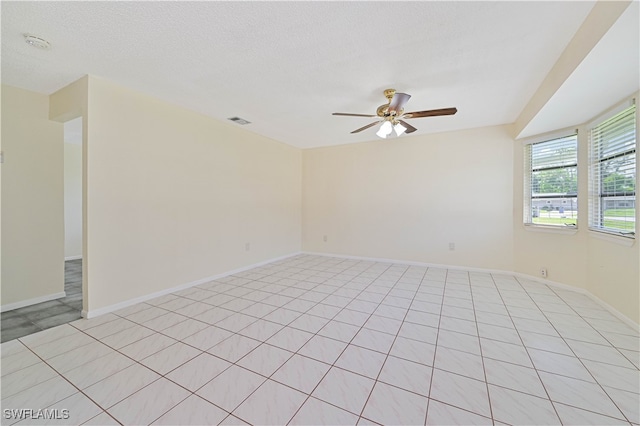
x,y
383,110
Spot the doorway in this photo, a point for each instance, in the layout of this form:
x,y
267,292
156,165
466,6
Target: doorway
x,y
73,214
41,316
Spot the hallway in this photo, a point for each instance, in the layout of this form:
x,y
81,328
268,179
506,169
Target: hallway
x,y
31,319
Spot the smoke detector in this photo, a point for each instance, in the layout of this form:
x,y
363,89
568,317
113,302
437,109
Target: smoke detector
x,y
38,42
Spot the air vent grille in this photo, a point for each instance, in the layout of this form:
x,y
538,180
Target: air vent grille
x,y
239,120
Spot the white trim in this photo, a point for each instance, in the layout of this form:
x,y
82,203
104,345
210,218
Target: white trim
x,y
587,293
73,257
596,299
617,108
411,262
29,302
561,230
622,317
111,308
623,240
549,136
557,284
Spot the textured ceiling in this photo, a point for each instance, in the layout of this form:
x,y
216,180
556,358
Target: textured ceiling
x,y
609,73
286,66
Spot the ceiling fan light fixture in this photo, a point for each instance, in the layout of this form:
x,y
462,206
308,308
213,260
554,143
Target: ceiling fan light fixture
x,y
392,115
385,129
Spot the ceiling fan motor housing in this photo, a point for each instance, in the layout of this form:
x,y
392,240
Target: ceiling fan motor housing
x,y
383,110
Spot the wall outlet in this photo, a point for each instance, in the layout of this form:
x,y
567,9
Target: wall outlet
x,y
324,238
247,246
452,246
543,272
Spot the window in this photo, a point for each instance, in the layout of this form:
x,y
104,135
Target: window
x,y
612,177
551,182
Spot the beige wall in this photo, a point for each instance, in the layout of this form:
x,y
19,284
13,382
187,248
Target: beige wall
x,y
613,275
613,269
607,267
174,196
562,252
32,198
72,200
408,198
613,272
67,104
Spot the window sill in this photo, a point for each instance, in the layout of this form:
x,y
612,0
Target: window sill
x,y
566,230
612,238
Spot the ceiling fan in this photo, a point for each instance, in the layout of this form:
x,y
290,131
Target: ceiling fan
x,y
392,115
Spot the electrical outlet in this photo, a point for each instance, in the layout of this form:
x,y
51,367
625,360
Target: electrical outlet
x,y
324,238
543,272
247,246
452,246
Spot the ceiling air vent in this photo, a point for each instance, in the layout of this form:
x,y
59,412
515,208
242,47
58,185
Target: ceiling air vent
x,y
239,120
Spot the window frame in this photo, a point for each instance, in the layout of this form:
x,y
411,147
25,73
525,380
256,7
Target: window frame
x,y
528,174
595,181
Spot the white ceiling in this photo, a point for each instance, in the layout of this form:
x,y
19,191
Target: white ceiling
x,y
286,66
608,74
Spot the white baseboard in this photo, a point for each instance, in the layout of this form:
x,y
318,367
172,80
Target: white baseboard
x,y
622,317
111,308
29,302
631,323
73,257
411,262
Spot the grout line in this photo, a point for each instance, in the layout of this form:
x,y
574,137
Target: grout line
x,y
484,370
332,365
263,342
309,267
137,362
515,328
72,384
590,325
394,341
577,357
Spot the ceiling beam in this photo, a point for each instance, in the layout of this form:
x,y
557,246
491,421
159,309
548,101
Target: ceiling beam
x,y
601,18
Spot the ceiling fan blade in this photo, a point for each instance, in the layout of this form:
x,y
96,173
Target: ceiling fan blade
x,y
410,128
398,101
365,127
346,114
431,113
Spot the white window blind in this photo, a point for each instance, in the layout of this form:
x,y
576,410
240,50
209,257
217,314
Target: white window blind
x,y
612,177
551,182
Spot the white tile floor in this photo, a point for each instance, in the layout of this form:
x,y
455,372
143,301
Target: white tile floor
x,y
319,340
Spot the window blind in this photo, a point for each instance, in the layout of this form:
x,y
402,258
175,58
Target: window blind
x,y
612,177
551,183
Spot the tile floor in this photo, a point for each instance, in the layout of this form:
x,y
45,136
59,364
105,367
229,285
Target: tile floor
x,y
320,340
41,316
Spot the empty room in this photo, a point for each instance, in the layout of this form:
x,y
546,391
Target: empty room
x,y
320,213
